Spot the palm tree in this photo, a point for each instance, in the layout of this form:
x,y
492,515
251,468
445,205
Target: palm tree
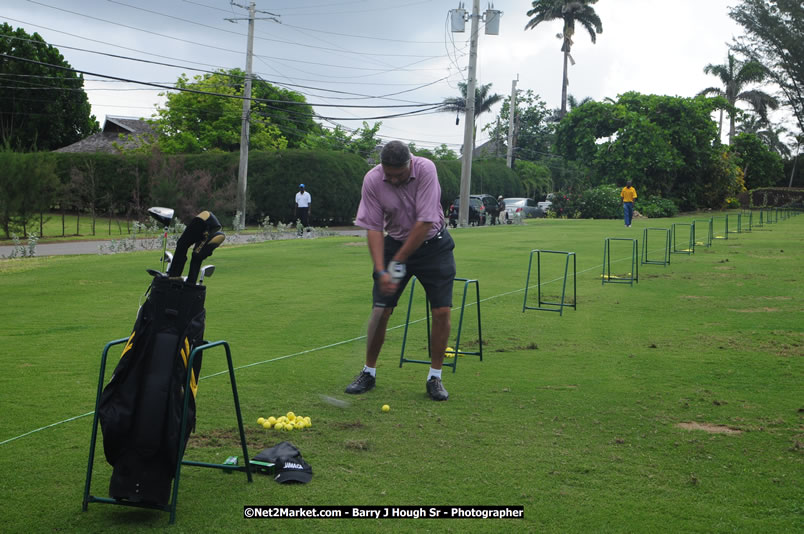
x,y
735,75
570,11
769,135
483,103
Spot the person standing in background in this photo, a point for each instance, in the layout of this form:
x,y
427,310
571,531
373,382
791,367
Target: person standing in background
x,y
301,211
628,195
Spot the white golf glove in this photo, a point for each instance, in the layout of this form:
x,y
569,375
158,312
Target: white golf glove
x,y
397,271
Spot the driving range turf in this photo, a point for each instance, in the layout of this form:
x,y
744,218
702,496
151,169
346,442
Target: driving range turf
x,y
671,405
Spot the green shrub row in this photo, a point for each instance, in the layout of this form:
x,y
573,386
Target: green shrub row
x,y
126,185
604,202
774,197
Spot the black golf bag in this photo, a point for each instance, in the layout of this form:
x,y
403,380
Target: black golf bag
x,y
140,408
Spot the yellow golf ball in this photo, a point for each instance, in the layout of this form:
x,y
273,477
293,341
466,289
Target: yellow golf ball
x,y
386,408
266,424
279,426
261,420
272,420
449,353
291,416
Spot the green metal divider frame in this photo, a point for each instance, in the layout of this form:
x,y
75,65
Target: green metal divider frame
x,y
644,258
725,231
561,304
708,222
690,242
759,223
739,223
607,278
458,352
171,506
750,214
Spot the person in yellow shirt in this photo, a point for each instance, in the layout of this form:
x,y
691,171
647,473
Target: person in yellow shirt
x,y
628,194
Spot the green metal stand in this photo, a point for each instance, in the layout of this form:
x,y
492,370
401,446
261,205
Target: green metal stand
x,y
725,230
748,220
633,276
551,306
458,352
690,239
171,506
702,237
666,249
738,226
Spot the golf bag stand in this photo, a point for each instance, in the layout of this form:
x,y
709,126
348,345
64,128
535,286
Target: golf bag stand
x,y
147,409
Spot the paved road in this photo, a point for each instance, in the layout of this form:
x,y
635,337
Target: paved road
x,y
94,247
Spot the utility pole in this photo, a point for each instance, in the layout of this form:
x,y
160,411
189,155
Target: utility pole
x,y
509,159
492,18
242,170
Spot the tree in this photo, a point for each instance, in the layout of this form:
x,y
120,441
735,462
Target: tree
x,y
532,133
570,12
41,108
772,137
761,166
362,141
193,122
483,102
735,76
666,145
775,37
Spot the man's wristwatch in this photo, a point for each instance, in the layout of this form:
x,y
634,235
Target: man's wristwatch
x,y
378,274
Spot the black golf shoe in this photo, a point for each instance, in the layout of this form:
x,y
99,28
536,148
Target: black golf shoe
x,y
362,383
436,389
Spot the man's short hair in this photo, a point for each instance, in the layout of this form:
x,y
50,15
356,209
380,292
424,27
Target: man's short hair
x,y
395,154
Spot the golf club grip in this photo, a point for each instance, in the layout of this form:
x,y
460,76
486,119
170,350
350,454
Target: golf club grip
x,y
202,225
201,252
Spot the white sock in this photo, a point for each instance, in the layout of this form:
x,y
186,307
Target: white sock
x,y
434,373
370,370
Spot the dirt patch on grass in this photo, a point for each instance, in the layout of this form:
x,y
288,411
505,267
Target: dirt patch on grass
x,y
708,427
764,309
230,437
349,426
694,297
355,244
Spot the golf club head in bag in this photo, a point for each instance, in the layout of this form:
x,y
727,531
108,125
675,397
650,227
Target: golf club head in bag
x,y
206,272
203,250
163,216
199,230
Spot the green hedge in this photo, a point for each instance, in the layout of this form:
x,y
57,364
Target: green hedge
x,y
776,197
125,185
490,176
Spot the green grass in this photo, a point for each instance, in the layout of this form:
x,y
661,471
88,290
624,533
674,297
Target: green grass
x,y
573,417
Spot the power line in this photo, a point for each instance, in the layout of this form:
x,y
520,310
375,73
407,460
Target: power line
x,y
212,27
117,56
208,93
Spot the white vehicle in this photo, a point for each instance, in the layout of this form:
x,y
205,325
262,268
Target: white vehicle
x,y
522,208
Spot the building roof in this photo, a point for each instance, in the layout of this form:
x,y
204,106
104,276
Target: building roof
x,y
118,132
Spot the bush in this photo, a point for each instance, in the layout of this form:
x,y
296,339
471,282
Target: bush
x,y
601,202
566,204
656,206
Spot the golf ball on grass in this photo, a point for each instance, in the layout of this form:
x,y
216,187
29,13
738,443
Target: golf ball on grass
x,y
386,408
449,353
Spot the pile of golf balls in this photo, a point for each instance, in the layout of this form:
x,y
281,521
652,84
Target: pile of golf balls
x,y
290,421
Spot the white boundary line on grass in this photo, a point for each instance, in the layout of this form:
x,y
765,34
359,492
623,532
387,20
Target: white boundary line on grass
x,y
315,349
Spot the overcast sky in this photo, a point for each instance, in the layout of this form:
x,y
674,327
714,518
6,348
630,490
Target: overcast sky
x,y
377,48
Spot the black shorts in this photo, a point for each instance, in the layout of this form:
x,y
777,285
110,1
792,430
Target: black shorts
x,y
433,265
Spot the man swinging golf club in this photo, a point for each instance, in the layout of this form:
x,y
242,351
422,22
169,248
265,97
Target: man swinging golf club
x,y
402,197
